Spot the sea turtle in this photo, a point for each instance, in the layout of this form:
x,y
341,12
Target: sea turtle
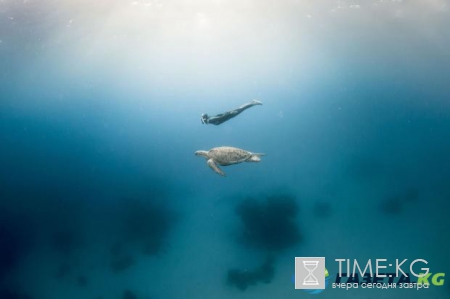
x,y
227,155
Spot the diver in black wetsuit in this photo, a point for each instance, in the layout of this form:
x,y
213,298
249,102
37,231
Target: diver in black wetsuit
x,y
220,118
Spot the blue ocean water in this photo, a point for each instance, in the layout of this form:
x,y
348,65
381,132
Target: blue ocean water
x,y
101,195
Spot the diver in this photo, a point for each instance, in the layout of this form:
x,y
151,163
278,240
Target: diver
x,y
220,118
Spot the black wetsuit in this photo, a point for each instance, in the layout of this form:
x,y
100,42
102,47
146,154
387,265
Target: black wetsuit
x,y
223,117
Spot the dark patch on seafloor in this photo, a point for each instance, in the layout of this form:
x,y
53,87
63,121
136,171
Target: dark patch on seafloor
x,y
82,280
16,239
122,263
121,258
146,225
268,225
8,294
127,294
242,279
143,227
394,205
271,224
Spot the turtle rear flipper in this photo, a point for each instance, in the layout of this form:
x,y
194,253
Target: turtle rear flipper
x,y
215,167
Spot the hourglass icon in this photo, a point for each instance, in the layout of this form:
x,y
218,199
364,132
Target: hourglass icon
x,y
310,273
310,279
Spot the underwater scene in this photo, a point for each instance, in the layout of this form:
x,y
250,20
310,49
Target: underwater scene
x,y
167,149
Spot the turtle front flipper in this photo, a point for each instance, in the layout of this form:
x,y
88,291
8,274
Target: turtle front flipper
x,y
215,167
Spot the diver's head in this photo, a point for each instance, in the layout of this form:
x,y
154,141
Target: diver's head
x,y
204,118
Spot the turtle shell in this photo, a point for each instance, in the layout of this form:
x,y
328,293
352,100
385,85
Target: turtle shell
x,y
227,155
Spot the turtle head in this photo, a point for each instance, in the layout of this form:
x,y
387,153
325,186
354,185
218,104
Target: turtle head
x,y
202,153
